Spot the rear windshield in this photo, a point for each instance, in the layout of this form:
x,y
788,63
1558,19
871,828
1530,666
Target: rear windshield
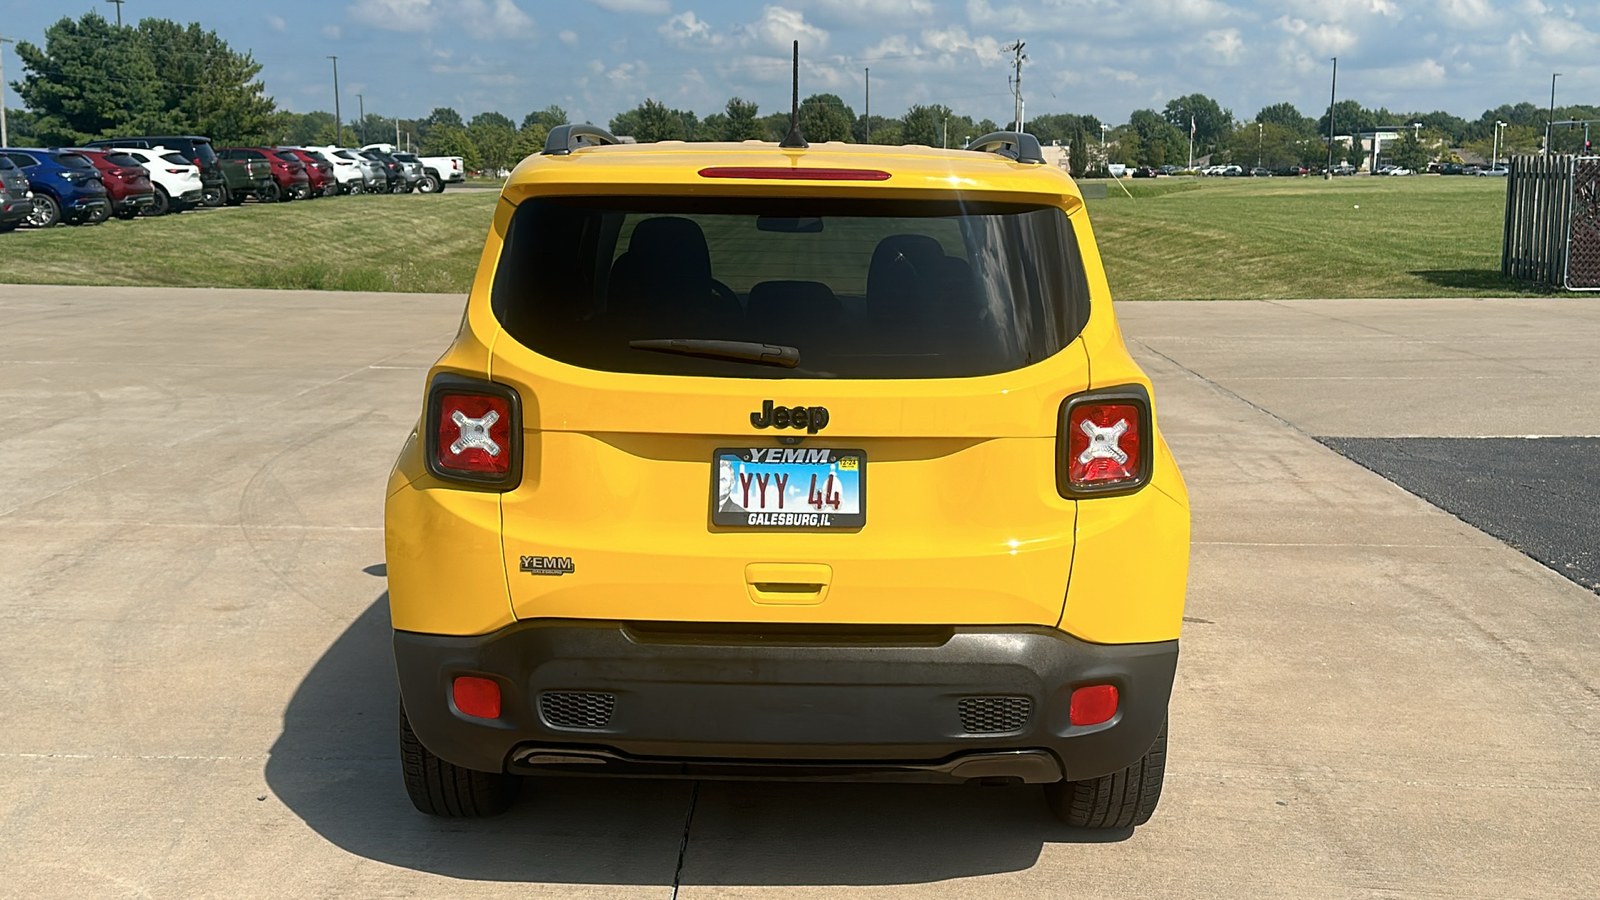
x,y
204,153
6,163
879,289
177,159
121,159
73,161
406,157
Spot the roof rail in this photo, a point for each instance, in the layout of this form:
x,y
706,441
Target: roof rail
x,y
564,139
1017,145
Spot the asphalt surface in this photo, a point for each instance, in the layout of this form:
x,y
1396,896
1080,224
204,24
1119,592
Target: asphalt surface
x,y
1375,698
1539,495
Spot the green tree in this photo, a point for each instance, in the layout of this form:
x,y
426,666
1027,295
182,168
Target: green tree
x,y
926,125
452,140
739,121
91,79
1286,116
1212,123
825,117
1061,127
212,89
549,117
1350,117
651,121
1078,153
1128,149
1408,152
495,136
1161,142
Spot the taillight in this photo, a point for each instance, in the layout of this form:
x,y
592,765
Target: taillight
x,y
474,432
1104,442
477,697
176,171
791,173
1090,705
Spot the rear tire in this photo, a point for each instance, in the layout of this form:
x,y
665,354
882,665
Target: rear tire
x,y
269,193
439,788
1123,799
161,207
431,184
214,196
98,216
46,212
229,198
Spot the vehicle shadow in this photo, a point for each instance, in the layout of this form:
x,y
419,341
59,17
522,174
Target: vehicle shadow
x,y
1478,280
335,766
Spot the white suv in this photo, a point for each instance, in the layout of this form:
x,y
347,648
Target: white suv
x,y
176,180
355,173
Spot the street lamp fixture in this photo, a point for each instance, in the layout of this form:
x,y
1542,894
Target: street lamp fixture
x,y
1494,159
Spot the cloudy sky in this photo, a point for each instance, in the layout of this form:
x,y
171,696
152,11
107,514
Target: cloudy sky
x,y
1106,57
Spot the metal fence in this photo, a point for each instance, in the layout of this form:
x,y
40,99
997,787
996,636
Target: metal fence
x,y
1552,230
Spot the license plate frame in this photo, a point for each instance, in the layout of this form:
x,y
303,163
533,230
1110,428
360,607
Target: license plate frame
x,y
798,509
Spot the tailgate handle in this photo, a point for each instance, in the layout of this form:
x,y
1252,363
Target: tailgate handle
x,y
787,584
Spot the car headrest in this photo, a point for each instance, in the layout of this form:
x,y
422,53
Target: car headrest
x,y
793,303
904,268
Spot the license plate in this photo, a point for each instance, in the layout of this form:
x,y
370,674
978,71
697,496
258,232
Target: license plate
x,y
804,488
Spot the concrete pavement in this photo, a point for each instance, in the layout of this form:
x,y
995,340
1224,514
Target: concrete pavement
x,y
1375,699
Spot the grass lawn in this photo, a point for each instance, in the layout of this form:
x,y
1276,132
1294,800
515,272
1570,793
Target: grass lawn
x,y
1262,238
378,242
1215,238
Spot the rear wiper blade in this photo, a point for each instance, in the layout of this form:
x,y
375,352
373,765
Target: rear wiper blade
x,y
737,351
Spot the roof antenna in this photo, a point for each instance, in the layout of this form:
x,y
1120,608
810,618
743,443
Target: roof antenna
x,y
794,141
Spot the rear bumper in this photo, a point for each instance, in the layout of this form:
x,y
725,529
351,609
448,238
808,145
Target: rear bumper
x,y
135,201
843,706
15,211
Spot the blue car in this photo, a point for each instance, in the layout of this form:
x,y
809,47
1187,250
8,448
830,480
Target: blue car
x,y
66,187
16,198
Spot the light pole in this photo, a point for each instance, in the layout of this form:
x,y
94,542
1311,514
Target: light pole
x,y
362,110
338,121
946,139
5,137
866,125
1495,154
1552,116
1327,173
1104,159
119,10
1260,141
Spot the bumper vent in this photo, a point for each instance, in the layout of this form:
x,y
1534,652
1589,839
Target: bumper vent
x,y
994,715
576,709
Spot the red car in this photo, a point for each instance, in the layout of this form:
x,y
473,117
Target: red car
x,y
127,183
287,169
323,182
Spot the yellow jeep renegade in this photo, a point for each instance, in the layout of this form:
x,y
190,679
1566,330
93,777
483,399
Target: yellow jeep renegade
x,y
816,462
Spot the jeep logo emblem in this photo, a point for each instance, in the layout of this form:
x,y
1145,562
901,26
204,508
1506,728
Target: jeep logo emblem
x,y
811,418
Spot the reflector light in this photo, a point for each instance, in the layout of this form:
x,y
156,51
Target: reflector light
x,y
1103,444
480,697
788,173
474,433
1093,704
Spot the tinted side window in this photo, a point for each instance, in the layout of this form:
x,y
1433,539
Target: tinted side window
x,y
23,160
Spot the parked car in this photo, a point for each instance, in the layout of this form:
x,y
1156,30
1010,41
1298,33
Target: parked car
x,y
797,623
400,180
1494,172
354,173
1343,168
16,198
287,170
1232,171
1145,172
1452,169
1292,170
177,181
66,187
196,149
127,183
246,177
437,171
319,171
1168,170
411,171
1260,172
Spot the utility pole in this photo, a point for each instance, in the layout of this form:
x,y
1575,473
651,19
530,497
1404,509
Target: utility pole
x,y
119,10
1495,154
1333,89
1016,80
866,131
5,136
338,121
362,135
1552,116
1260,140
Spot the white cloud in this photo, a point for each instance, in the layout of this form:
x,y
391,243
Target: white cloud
x,y
687,29
569,37
649,7
1225,44
276,23
481,19
779,27
871,12
331,32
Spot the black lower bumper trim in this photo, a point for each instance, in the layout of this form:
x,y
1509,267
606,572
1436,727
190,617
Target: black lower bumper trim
x,y
580,696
